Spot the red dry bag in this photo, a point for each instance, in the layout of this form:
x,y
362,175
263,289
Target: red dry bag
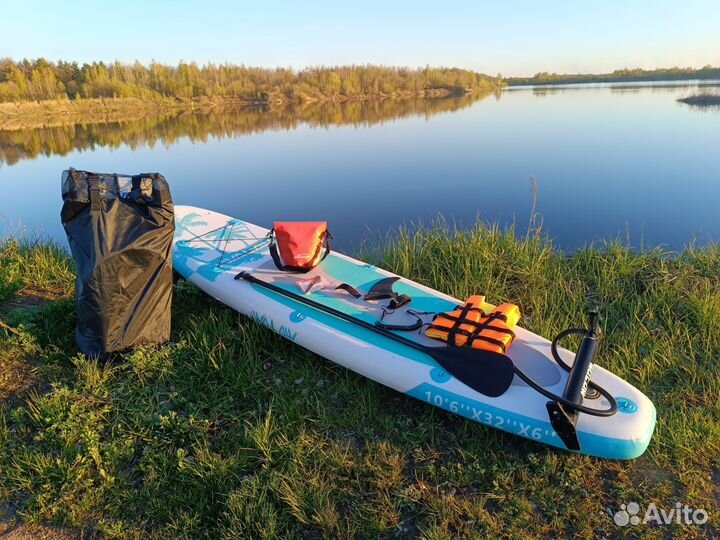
x,y
300,244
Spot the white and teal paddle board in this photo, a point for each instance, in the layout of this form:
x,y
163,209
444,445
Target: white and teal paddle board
x,y
210,249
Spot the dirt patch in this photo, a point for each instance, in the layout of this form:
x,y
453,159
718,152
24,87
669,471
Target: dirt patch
x,y
17,377
30,297
22,302
21,531
27,298
645,472
11,530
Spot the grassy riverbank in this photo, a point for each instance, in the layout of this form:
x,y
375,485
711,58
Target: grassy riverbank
x,y
18,120
231,432
62,112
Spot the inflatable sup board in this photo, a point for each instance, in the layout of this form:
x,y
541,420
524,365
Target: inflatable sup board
x,y
211,249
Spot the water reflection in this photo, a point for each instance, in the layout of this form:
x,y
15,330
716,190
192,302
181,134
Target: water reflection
x,y
16,145
668,87
629,162
703,107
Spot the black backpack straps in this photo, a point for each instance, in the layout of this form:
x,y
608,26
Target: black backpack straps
x,y
94,189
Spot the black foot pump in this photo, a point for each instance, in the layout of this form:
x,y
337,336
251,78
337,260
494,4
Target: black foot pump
x,y
564,412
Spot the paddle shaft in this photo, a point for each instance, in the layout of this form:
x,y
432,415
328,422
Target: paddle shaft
x,y
339,314
485,372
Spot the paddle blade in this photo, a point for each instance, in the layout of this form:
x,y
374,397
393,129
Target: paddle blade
x,y
486,372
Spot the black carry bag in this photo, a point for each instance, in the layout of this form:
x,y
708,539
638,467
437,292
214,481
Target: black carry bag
x,y
120,230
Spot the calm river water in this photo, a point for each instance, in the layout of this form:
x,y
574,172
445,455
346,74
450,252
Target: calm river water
x,y
610,161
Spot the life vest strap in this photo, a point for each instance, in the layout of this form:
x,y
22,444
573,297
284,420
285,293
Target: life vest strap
x,y
479,327
486,326
494,330
489,340
455,328
501,316
472,334
470,310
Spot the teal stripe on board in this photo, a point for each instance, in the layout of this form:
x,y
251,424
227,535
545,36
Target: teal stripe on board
x,y
530,428
363,276
347,328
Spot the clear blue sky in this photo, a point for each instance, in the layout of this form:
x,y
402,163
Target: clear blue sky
x,y
513,38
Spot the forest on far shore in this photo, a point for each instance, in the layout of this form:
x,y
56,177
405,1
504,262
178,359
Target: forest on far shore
x,y
619,75
40,79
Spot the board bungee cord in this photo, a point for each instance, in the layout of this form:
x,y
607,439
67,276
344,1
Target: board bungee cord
x,y
226,231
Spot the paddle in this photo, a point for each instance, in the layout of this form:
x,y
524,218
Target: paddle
x,y
486,372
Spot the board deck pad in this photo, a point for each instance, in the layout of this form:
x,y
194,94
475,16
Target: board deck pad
x,y
211,248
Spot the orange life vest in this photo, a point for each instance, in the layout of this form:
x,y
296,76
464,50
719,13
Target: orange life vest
x,y
469,325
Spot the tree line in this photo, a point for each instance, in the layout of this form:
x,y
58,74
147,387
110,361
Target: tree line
x,y
619,75
41,79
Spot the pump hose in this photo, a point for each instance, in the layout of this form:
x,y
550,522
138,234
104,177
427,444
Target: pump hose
x,y
612,409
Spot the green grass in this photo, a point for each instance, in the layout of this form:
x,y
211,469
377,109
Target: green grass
x,y
231,432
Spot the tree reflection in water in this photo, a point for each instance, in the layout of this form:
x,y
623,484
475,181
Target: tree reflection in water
x,y
143,130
